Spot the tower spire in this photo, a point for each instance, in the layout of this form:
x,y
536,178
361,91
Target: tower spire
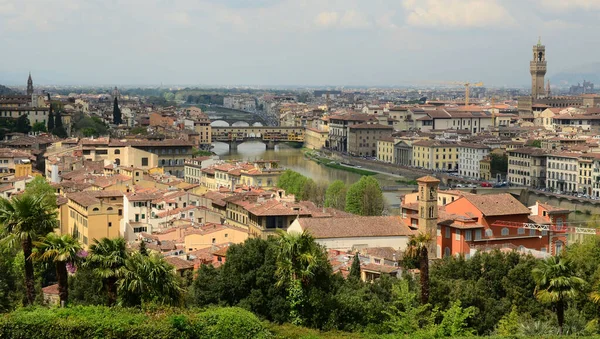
x,y
29,85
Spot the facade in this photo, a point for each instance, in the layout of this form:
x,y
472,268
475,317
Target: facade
x,y
403,153
537,68
339,129
362,138
562,172
385,150
209,235
485,169
316,139
469,159
435,155
527,167
94,215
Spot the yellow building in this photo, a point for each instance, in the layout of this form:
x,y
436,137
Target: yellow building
x,y
435,155
94,215
212,234
485,169
385,150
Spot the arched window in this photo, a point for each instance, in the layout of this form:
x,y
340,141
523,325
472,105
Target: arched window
x,y
504,231
117,151
109,209
447,252
489,233
558,246
96,209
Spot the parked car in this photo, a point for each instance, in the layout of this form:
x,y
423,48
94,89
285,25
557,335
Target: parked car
x,y
459,186
486,184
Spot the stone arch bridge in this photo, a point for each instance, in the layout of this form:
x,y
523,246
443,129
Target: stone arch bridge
x,y
268,134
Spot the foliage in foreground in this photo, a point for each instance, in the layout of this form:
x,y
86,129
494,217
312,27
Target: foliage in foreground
x,y
105,322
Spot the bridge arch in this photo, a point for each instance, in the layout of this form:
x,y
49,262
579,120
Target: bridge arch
x,y
219,123
240,124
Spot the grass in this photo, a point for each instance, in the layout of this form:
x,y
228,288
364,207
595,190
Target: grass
x,y
327,162
407,182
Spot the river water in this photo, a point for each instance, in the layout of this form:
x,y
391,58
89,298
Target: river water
x,y
293,159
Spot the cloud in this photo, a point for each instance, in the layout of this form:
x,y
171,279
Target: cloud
x,y
181,18
456,13
350,19
326,19
562,5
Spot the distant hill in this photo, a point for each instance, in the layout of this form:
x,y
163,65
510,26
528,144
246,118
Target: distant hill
x,y
566,78
5,90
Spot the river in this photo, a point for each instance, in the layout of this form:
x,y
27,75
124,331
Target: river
x,y
293,159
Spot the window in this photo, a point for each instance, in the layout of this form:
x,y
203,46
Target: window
x,y
143,216
447,232
378,261
214,240
532,232
504,231
468,235
457,235
489,233
520,231
558,246
117,151
110,224
447,252
96,209
439,230
226,235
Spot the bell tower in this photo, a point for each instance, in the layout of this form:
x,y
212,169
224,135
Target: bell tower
x,y
428,210
537,68
29,85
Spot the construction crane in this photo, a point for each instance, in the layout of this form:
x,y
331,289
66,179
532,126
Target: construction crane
x,y
467,86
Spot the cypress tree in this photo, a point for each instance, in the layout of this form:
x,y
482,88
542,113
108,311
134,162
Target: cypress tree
x,y
117,113
50,120
58,120
355,268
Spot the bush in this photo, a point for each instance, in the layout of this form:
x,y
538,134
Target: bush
x,y
104,322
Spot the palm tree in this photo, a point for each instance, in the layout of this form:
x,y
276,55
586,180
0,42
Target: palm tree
x,y
23,219
107,258
555,284
297,258
60,249
148,278
418,248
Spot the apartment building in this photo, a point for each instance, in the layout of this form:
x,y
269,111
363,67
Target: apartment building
x,y
469,159
339,128
562,172
435,155
586,181
527,167
385,150
362,138
94,215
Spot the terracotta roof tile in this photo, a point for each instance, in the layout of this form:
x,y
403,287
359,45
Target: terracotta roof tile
x,y
355,227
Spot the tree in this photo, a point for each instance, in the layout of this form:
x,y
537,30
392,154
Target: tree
x,y
24,218
509,324
365,197
50,119
148,278
536,143
117,118
556,284
417,247
40,187
60,250
296,265
335,196
23,125
143,250
292,182
58,119
107,258
39,127
355,268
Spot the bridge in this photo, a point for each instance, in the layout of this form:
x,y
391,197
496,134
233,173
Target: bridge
x,y
233,136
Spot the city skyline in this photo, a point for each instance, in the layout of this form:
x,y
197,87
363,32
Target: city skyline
x,y
279,43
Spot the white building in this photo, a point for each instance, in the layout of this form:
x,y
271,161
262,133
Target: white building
x,y
562,172
469,156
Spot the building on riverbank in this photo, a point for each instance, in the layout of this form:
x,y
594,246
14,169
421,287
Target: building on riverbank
x,y
362,138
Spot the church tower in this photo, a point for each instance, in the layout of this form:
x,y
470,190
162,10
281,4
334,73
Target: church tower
x,y
29,85
428,210
537,68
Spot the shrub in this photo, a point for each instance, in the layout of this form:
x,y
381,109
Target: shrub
x,y
105,322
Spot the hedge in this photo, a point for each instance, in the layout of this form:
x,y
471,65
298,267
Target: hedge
x,y
104,322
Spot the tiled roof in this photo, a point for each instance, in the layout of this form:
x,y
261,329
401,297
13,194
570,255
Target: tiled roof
x,y
497,204
50,290
353,227
179,264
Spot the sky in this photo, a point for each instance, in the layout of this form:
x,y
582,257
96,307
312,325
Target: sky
x,y
291,42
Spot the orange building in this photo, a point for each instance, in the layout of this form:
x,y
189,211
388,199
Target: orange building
x,y
479,222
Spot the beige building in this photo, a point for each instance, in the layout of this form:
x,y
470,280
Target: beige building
x,y
315,139
527,167
211,234
362,138
562,172
485,169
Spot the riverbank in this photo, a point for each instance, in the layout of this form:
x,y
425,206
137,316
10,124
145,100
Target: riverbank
x,y
314,156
